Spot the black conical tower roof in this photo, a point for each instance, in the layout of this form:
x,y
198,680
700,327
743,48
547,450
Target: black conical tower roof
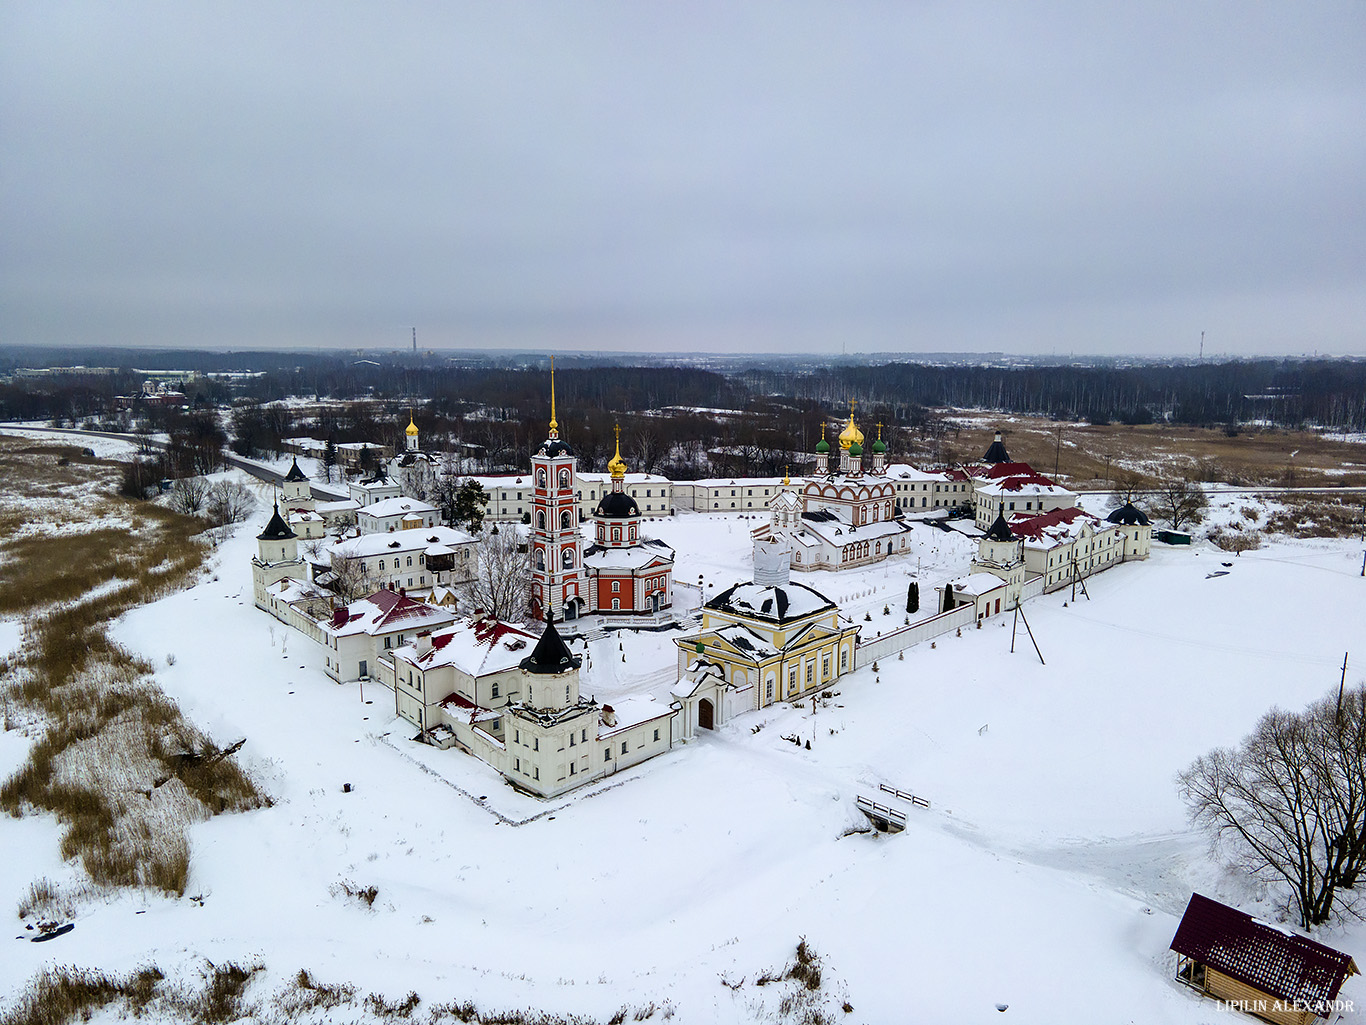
x,y
1129,514
277,529
997,452
295,474
1000,530
551,654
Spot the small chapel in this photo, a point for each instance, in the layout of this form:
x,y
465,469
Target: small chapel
x,y
842,516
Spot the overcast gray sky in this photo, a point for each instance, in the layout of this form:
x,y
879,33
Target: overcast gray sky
x,y
1034,178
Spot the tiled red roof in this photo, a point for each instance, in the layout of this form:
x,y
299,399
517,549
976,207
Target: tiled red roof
x,y
999,470
1282,964
1034,526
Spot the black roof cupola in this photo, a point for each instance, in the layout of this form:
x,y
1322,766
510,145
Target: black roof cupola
x,y
551,654
277,529
997,452
295,474
1000,530
1129,515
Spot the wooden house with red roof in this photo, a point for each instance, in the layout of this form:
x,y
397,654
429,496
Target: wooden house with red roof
x,y
1266,970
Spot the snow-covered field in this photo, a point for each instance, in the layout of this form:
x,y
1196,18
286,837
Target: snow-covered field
x,y
1048,874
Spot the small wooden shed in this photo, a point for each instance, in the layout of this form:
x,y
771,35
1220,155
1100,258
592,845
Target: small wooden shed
x,y
1265,970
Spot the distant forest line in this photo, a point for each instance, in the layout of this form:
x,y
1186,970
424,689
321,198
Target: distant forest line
x,y
1327,393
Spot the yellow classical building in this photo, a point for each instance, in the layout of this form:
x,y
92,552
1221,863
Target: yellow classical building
x,y
761,642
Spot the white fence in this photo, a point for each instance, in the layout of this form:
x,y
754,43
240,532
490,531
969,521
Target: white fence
x,y
899,640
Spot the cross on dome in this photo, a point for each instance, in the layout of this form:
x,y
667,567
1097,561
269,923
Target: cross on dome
x,y
851,435
617,467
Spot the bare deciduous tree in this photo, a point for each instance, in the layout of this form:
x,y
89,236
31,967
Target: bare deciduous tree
x,y
499,586
1179,500
228,501
350,579
188,493
1289,804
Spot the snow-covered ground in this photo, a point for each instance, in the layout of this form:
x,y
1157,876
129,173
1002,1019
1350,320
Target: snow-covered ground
x,y
1048,874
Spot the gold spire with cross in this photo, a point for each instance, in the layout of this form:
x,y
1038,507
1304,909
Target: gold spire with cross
x,y
787,475
411,429
617,467
554,424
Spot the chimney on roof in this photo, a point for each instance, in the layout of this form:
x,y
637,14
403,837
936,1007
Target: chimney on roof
x,y
424,642
609,715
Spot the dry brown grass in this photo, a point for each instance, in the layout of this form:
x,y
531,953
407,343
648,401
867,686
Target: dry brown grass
x,y
117,763
1254,456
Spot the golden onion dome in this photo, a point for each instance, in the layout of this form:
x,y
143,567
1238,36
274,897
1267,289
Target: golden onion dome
x,y
411,429
850,434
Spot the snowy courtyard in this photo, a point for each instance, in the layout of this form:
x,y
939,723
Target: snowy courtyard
x,y
1048,873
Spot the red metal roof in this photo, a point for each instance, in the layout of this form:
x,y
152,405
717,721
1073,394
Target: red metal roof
x,y
1034,526
1282,964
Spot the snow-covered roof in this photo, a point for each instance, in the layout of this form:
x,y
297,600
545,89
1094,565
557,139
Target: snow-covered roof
x,y
634,557
905,472
735,482
292,589
349,505
1050,529
975,584
837,532
397,507
772,603
395,541
591,477
699,672
462,708
387,612
746,640
1026,485
630,711
478,648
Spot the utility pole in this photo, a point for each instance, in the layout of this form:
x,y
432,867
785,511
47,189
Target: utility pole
x,y
1202,346
1341,683
1057,452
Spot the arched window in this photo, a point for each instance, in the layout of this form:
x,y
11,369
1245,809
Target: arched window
x,y
564,520
633,533
410,560
381,565
569,558
540,478
616,533
540,521
564,478
616,604
540,559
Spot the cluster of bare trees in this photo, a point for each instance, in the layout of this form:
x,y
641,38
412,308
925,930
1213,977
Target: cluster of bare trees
x,y
222,503
1289,803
